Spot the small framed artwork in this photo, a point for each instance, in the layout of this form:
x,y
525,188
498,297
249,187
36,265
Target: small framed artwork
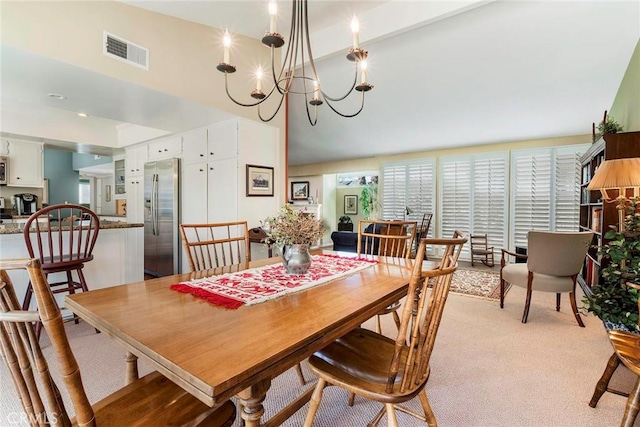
x,y
259,181
299,190
351,205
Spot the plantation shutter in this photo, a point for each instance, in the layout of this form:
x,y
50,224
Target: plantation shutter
x,y
545,191
394,185
567,209
531,194
490,199
455,177
420,191
474,197
409,184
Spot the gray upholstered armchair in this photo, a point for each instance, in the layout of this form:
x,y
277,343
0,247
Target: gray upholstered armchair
x,y
553,263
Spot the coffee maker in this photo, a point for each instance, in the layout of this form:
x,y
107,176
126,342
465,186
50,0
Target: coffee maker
x,y
25,203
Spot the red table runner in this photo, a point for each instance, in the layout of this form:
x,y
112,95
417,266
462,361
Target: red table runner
x,y
233,290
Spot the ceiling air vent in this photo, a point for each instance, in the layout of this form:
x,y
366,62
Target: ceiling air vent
x,y
124,50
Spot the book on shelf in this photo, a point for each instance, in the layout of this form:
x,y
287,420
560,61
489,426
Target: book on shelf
x,y
596,215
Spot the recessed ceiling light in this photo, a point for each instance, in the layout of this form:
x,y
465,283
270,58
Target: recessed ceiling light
x,y
83,114
56,96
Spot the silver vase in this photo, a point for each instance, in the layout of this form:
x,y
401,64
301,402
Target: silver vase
x,y
296,258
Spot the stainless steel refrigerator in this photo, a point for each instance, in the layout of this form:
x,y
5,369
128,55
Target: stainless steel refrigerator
x,y
161,217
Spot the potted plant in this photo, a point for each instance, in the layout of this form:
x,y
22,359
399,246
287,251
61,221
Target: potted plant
x,y
609,125
292,232
615,303
369,200
345,223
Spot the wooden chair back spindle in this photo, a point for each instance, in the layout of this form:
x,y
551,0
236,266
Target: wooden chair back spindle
x,y
62,237
20,346
63,234
421,316
216,245
151,400
386,238
358,360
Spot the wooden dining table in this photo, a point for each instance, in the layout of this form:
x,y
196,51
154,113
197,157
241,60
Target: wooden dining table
x,y
216,353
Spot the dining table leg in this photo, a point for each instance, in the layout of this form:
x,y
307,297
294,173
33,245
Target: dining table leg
x,y
251,400
131,361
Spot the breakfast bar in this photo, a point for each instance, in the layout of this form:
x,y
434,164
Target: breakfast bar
x,y
116,255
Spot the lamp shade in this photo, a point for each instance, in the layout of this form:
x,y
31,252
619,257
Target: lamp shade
x,y
618,173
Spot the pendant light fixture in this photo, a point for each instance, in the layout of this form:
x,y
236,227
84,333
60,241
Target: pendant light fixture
x,y
298,74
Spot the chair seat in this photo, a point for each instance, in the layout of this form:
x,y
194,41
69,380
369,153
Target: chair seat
x,y
68,264
627,347
359,362
518,274
482,251
154,399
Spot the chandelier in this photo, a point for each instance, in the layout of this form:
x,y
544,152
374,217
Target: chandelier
x,y
302,73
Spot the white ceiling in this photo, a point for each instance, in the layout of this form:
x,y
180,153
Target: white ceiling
x,y
446,74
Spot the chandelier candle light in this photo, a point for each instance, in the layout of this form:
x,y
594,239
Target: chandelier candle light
x,y
304,74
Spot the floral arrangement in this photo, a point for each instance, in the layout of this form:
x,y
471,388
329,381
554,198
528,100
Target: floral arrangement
x,y
291,227
612,300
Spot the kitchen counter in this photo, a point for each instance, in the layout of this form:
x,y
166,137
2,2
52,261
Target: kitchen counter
x,y
118,256
104,225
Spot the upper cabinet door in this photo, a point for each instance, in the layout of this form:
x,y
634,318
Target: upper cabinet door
x,y
135,160
223,141
25,164
194,146
165,148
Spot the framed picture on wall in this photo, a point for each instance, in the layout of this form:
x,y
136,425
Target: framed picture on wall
x,y
299,190
259,181
351,205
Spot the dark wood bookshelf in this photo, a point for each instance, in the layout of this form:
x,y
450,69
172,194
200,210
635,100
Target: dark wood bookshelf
x,y
596,215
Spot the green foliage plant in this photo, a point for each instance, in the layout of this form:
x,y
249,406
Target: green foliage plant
x,y
609,125
369,199
345,219
612,300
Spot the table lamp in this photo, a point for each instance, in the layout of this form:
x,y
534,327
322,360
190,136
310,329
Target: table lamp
x,y
407,211
619,174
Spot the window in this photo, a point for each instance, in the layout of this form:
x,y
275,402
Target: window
x,y
357,179
84,192
408,191
545,191
474,197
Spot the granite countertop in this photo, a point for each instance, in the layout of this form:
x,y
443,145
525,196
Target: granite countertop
x,y
104,225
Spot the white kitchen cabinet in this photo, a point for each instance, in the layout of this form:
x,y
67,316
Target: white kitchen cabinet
x,y
119,178
215,190
216,142
210,192
136,157
25,164
135,203
165,148
209,195
223,190
194,194
194,146
4,147
223,139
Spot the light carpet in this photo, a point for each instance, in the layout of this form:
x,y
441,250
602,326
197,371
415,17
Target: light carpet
x,y
488,369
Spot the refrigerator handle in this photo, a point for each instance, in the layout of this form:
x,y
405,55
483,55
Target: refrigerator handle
x,y
154,205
